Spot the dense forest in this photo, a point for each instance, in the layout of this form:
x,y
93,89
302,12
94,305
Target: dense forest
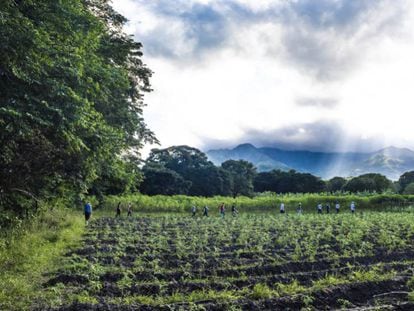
x,y
71,90
186,170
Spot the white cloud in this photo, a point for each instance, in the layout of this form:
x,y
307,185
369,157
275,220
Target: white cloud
x,y
226,67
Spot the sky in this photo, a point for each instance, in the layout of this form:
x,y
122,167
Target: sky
x,y
325,75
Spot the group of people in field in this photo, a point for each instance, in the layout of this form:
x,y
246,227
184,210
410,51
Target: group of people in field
x,y
87,209
118,211
221,210
319,208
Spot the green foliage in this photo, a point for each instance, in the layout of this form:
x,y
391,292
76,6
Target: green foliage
x,y
26,254
288,182
242,175
405,179
368,182
335,184
262,202
409,189
71,85
191,263
161,180
261,291
184,170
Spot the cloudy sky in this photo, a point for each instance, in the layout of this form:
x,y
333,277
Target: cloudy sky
x,y
298,74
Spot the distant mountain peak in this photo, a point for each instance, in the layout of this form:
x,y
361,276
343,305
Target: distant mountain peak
x,y
390,161
245,146
397,148
396,152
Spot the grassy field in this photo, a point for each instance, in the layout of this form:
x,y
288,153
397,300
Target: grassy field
x,y
249,262
29,249
263,202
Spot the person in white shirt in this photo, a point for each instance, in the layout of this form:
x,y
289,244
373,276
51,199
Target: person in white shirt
x,y
299,209
353,207
320,208
337,207
282,208
193,210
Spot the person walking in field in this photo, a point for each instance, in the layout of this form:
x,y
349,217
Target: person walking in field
x,y
337,207
352,207
328,208
118,210
129,209
299,209
88,212
234,210
222,210
193,210
282,208
205,212
320,208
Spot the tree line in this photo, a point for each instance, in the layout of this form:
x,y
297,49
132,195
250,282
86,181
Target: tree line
x,y
71,99
187,170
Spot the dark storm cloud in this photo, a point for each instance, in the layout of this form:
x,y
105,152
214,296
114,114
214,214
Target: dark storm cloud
x,y
321,38
323,136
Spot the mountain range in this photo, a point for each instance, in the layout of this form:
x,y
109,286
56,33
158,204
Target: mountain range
x,y
391,161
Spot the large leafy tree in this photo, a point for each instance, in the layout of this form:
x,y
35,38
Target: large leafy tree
x,y
265,181
335,184
205,179
71,96
368,182
161,180
288,182
242,175
405,179
179,158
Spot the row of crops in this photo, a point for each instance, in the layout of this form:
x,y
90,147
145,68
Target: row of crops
x,y
250,262
268,201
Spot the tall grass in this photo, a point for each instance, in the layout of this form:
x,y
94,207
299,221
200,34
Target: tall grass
x,y
30,250
263,202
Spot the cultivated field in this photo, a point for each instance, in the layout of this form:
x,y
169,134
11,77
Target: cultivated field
x,y
249,262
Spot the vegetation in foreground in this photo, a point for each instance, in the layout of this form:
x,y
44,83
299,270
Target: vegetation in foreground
x,y
247,262
31,248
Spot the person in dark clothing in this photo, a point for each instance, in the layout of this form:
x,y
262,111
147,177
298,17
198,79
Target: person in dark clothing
x,y
328,208
129,209
118,210
234,210
222,210
205,213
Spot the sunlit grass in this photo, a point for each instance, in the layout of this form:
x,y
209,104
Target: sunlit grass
x,y
32,251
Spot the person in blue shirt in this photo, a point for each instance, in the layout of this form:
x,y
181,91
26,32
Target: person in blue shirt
x,y
88,212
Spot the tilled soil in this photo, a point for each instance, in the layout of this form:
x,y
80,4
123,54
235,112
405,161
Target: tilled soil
x,y
152,257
